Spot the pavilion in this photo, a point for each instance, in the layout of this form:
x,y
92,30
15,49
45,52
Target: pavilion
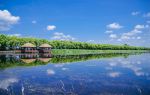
x,y
45,48
28,48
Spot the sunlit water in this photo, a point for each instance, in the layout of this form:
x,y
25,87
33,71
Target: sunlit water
x,y
128,75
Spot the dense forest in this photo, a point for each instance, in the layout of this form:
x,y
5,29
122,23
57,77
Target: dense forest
x,y
13,42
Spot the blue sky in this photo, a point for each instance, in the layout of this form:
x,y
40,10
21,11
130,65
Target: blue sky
x,y
95,21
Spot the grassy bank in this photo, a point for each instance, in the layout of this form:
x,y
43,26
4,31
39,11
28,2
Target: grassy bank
x,y
82,51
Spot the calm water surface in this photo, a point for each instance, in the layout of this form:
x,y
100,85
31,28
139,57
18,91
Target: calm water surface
x,y
79,75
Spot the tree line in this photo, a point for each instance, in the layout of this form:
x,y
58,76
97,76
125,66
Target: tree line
x,y
13,43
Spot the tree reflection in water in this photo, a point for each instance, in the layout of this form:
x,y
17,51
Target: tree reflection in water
x,y
9,60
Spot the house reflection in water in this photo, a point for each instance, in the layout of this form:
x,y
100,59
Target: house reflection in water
x,y
30,58
44,57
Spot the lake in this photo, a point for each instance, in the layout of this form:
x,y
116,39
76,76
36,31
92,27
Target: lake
x,y
103,74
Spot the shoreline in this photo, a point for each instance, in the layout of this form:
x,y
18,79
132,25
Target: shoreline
x,y
79,51
83,51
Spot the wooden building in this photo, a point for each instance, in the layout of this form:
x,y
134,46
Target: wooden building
x,y
45,48
28,48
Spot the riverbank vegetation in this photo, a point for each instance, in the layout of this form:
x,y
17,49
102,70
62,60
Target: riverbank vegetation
x,y
13,43
86,52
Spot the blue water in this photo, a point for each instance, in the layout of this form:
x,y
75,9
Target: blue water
x,y
104,76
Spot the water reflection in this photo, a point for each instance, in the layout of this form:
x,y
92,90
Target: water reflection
x,y
10,60
113,74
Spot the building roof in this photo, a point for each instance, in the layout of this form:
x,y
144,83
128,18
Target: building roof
x,y
28,45
45,45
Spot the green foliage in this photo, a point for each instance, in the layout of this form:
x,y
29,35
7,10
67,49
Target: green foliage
x,y
7,61
12,43
84,51
75,58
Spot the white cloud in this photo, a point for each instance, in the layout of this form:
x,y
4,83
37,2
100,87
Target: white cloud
x,y
129,35
139,26
50,72
112,64
4,84
133,37
62,36
147,14
64,69
132,34
7,20
109,31
148,21
135,13
114,74
147,26
131,65
51,27
114,26
113,36
59,65
17,35
119,40
91,41
138,37
34,21
124,37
